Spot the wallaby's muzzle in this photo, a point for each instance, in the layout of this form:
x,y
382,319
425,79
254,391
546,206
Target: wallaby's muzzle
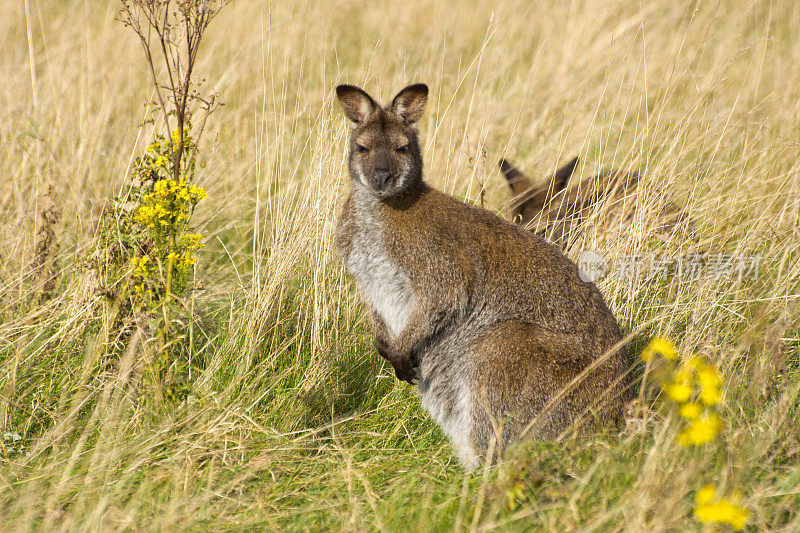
x,y
380,180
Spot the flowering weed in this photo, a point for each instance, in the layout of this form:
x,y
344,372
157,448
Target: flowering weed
x,y
711,509
694,386
146,245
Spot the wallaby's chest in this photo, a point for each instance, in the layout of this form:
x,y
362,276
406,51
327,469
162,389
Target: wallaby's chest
x,y
381,282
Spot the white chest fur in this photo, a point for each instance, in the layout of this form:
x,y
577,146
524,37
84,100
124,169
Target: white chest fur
x,y
381,282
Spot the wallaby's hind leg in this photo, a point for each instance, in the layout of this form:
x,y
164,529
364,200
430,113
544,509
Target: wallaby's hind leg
x,y
523,374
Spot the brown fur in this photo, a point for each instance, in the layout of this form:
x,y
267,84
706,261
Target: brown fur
x,y
500,328
556,209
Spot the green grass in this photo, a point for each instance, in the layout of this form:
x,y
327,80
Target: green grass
x,y
293,421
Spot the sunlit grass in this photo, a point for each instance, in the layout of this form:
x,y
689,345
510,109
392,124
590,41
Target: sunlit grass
x,y
294,421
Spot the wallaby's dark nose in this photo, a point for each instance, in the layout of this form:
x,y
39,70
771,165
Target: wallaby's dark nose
x,y
380,178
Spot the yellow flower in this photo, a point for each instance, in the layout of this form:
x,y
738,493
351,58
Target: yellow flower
x,y
710,382
192,241
701,430
142,214
678,392
661,346
710,395
690,410
723,511
709,377
680,388
705,495
198,193
162,186
141,264
142,268
683,376
695,362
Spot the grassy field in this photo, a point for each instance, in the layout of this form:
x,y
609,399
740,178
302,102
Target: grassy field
x,y
292,420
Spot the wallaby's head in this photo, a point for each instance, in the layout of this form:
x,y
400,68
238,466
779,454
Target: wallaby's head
x,y
533,201
384,150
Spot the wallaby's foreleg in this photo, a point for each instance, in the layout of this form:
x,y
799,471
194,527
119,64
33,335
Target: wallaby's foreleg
x,y
403,366
384,345
425,322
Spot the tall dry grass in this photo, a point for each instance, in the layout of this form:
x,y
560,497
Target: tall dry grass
x,y
294,423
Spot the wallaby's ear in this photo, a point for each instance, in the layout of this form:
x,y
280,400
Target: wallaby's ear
x,y
357,104
562,175
518,181
410,102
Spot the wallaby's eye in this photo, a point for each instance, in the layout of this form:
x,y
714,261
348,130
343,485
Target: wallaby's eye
x,y
403,149
361,149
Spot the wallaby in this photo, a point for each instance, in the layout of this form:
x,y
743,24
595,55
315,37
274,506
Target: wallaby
x,y
494,325
556,210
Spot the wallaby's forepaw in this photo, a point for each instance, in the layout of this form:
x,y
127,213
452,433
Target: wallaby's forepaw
x,y
403,374
403,366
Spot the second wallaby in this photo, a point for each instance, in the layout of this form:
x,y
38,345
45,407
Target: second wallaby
x,y
555,208
494,325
